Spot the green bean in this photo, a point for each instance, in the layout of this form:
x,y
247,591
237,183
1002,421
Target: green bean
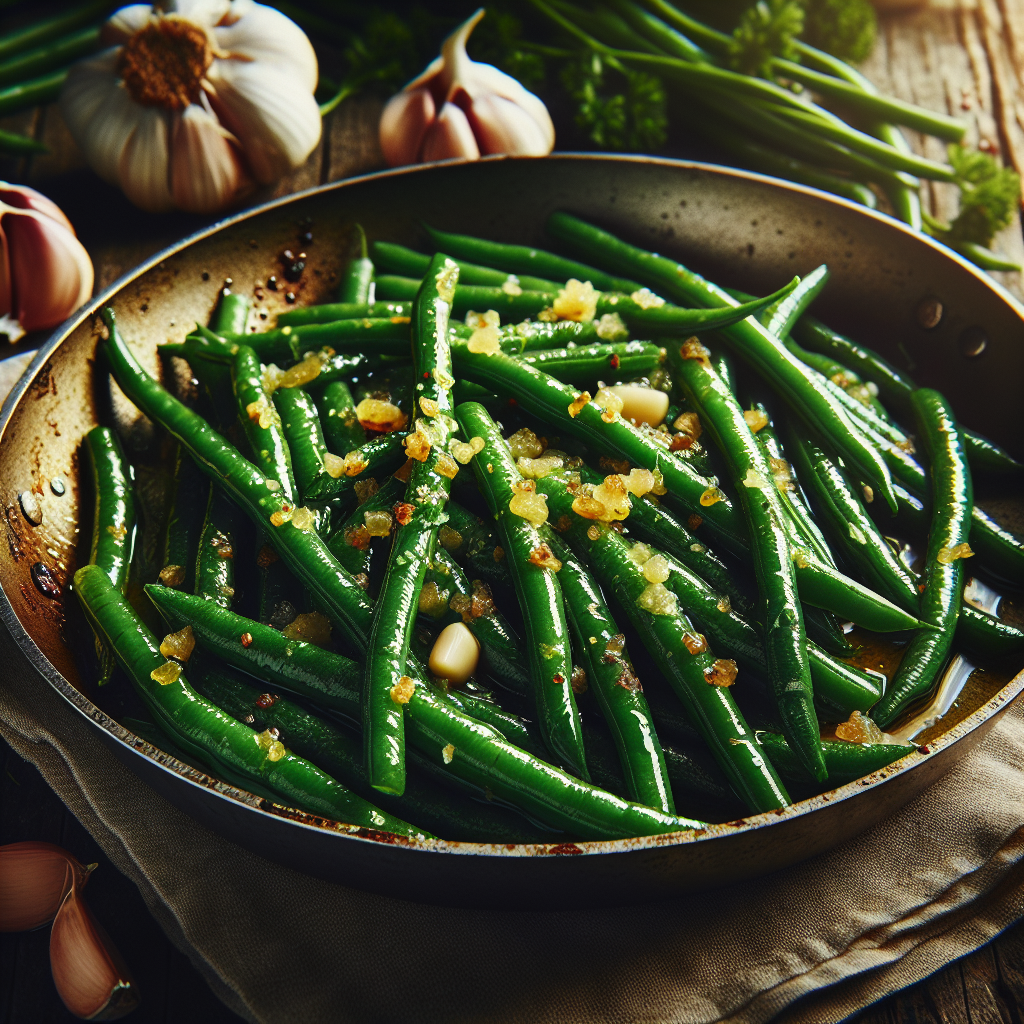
x,y
823,629
34,92
471,542
846,762
984,257
262,424
611,679
332,311
587,364
300,425
522,259
784,634
536,585
357,279
350,542
851,528
385,683
986,635
397,259
751,341
952,499
533,335
458,747
895,387
12,142
639,310
343,432
55,53
218,541
199,724
231,314
338,751
780,316
381,454
367,336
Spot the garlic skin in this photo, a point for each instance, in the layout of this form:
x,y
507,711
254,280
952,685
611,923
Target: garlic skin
x,y
90,976
460,108
195,102
34,880
45,272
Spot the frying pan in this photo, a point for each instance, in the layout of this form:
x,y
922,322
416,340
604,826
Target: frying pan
x,y
888,287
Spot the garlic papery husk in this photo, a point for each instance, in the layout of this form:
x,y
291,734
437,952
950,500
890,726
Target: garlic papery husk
x,y
195,102
45,272
459,107
90,976
34,879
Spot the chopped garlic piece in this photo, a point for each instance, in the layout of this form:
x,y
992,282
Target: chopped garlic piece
x,y
612,494
581,400
639,482
947,556
447,466
657,599
722,672
752,479
178,645
757,419
485,341
689,423
380,417
537,469
261,412
312,627
167,673
402,691
429,406
378,523
640,553
172,575
302,373
417,446
656,569
693,349
304,519
858,728
529,504
611,328
576,301
713,495
448,753
545,558
646,299
446,279
511,285
588,508
524,443
489,319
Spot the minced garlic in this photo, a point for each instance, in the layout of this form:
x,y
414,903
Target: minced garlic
x,y
576,301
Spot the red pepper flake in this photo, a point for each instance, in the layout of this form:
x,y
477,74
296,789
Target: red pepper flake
x,y
681,443
695,521
924,749
614,361
246,639
558,679
566,848
404,512
267,700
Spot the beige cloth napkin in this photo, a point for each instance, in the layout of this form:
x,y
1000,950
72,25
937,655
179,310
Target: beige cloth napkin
x,y
812,943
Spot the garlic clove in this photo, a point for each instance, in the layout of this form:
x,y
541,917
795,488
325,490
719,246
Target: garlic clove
x,y
99,113
142,168
51,273
22,197
275,119
450,137
124,22
501,126
488,78
34,879
265,34
210,12
90,975
403,124
206,171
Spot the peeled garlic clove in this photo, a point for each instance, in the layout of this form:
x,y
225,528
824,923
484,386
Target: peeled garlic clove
x,y
450,137
642,405
90,975
404,122
123,23
455,654
34,879
51,272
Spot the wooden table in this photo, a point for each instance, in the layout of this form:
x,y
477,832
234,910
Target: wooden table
x,y
961,56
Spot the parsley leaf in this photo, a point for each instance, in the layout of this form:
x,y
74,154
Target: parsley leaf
x,y
766,30
989,197
844,28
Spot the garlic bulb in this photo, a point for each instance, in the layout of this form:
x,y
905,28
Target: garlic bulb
x,y
34,879
461,108
90,975
188,108
45,272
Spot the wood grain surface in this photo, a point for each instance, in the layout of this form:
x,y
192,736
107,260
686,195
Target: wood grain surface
x,y
965,57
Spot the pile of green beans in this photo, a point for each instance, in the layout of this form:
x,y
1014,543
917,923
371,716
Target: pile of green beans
x,y
419,477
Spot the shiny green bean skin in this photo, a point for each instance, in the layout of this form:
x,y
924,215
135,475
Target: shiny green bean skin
x,y
397,259
381,454
784,635
261,423
522,259
472,543
384,677
184,523
231,313
178,707
336,408
895,387
846,762
549,400
536,585
748,339
987,636
852,529
480,758
780,316
534,335
332,311
943,576
349,542
300,424
637,312
610,677
215,559
357,279
338,751
587,364
711,708
367,335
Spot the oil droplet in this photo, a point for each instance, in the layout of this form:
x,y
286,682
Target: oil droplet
x,y
46,583
57,486
30,507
